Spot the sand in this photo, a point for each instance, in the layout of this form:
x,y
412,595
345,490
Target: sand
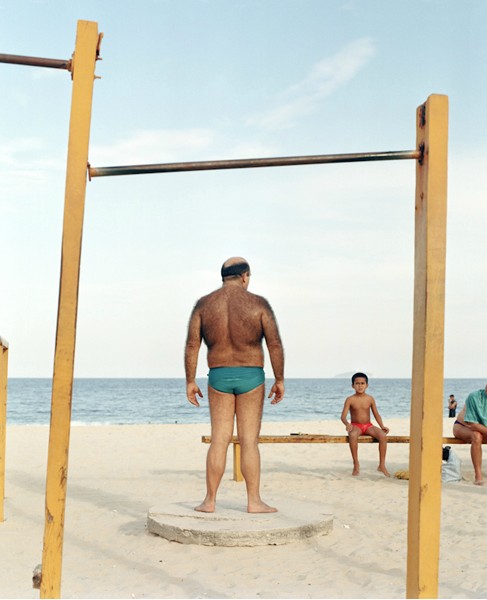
x,y
117,473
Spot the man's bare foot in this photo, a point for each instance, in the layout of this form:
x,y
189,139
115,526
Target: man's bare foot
x,y
356,471
478,482
383,470
206,506
260,507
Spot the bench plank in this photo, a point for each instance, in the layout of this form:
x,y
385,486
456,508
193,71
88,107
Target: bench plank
x,y
312,438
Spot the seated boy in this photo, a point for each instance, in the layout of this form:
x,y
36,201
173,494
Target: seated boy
x,y
359,406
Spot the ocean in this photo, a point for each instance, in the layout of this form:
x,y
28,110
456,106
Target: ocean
x,y
137,401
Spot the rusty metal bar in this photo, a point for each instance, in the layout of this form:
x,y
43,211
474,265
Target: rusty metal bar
x,y
35,61
249,163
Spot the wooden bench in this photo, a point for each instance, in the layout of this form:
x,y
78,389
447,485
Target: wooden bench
x,y
311,438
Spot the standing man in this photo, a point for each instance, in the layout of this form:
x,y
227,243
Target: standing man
x,y
471,426
452,407
233,322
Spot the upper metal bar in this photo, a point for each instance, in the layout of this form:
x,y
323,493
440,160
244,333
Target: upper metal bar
x,y
35,61
247,163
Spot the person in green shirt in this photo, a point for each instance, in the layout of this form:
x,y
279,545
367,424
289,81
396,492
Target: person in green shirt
x,y
471,426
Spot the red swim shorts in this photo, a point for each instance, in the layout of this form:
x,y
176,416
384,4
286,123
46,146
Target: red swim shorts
x,y
362,426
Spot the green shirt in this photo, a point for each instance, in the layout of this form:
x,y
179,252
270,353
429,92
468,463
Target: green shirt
x,y
476,404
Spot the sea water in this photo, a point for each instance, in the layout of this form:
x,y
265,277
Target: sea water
x,y
131,401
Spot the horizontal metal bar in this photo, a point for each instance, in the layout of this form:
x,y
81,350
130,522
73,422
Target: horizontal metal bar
x,y
35,61
247,163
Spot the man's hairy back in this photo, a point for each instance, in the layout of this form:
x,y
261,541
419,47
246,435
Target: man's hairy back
x,y
233,315
231,326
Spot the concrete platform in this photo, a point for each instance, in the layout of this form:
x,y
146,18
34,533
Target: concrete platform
x,y
231,525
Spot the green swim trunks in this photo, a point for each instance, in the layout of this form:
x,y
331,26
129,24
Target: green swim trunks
x,y
236,380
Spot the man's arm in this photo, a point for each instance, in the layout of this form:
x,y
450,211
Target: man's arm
x,y
193,343
477,427
474,426
276,352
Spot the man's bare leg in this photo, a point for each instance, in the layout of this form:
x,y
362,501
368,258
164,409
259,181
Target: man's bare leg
x,y
222,413
381,437
249,408
353,442
474,438
476,455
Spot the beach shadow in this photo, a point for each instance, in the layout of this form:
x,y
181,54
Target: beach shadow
x,y
134,528
96,496
303,471
107,546
197,473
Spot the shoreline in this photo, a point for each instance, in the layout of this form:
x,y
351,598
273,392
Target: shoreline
x,y
327,423
118,472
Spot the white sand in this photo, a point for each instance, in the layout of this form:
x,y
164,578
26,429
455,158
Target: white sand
x,y
117,473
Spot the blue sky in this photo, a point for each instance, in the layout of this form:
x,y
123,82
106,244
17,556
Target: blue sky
x,y
330,246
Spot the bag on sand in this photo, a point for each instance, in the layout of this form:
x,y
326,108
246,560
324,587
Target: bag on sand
x,y
451,467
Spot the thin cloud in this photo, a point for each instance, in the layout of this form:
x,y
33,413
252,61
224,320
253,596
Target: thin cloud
x,y
153,146
25,162
324,79
174,145
13,152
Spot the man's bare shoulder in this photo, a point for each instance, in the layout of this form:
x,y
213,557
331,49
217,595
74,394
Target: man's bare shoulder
x,y
208,298
237,297
260,302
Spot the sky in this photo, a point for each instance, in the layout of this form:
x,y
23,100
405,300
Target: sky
x,y
330,246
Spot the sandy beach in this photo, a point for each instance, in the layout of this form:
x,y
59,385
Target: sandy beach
x,y
116,473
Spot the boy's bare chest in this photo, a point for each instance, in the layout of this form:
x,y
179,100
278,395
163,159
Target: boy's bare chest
x,y
360,403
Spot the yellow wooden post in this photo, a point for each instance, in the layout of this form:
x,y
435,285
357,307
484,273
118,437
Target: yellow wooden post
x,y
83,73
237,462
3,419
428,345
